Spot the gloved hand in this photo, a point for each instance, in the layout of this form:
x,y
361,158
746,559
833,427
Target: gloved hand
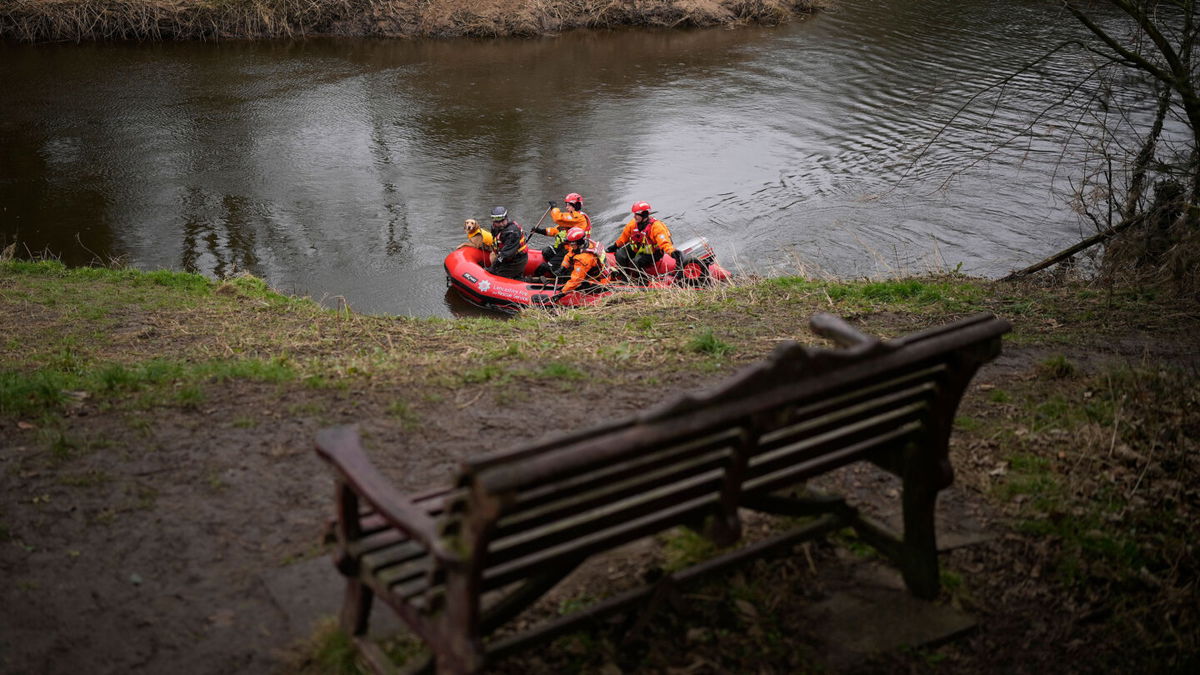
x,y
556,297
612,248
677,256
551,204
539,230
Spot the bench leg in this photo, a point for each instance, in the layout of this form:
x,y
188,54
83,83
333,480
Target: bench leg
x,y
356,608
920,566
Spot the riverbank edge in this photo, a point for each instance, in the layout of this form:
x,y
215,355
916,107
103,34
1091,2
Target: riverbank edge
x,y
48,21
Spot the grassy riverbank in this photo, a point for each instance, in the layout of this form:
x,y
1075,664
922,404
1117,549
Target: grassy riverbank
x,y
79,20
156,470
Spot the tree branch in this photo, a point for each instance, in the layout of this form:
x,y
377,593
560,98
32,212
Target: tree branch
x,y
1068,252
1130,56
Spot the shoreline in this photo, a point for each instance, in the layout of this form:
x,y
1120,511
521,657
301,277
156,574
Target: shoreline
x,y
49,21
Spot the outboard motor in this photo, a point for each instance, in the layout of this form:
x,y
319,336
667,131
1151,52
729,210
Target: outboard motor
x,y
695,257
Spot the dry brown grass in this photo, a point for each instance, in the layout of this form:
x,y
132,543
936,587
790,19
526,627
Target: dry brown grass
x,y
80,20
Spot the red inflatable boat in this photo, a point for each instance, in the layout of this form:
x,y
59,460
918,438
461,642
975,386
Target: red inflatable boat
x,y
466,273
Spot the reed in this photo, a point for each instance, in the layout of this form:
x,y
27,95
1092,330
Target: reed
x,y
85,20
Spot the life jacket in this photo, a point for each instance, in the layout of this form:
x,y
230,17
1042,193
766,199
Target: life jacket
x,y
639,239
561,235
520,232
481,238
600,269
498,247
524,244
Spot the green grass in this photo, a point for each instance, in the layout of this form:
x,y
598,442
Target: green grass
x,y
683,548
558,371
999,396
644,324
965,423
332,651
951,294
189,396
402,412
484,373
1057,368
24,394
706,342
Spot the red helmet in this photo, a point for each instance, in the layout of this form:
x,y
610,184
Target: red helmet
x,y
640,207
574,198
576,236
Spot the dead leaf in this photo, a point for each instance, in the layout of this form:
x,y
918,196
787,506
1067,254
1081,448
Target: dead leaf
x,y
747,609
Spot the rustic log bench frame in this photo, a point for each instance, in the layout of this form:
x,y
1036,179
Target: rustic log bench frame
x,y
516,523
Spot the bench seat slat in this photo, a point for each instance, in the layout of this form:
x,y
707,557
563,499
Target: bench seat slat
x,y
585,525
569,503
376,532
375,542
814,422
397,554
862,431
617,471
802,409
393,575
794,473
620,532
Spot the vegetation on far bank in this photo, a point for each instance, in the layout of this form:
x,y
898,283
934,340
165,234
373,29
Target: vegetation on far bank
x,y
1083,442
80,20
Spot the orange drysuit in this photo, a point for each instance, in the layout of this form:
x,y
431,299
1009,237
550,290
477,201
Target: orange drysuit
x,y
585,265
565,220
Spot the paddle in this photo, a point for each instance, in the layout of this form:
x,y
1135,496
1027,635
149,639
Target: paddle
x,y
539,222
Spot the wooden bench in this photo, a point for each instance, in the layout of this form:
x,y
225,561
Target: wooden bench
x,y
458,563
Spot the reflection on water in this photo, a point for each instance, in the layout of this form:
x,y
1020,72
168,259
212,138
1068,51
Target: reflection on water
x,y
459,307
343,168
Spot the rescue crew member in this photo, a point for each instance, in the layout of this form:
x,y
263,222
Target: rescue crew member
x,y
508,239
564,220
585,261
643,242
478,237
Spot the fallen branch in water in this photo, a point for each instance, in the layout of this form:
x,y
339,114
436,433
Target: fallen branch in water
x,y
1068,252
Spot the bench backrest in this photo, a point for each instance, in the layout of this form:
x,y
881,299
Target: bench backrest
x,y
801,412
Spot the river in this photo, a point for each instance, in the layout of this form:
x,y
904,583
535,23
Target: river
x,y
342,169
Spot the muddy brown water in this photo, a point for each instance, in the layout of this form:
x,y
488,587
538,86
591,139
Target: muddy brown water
x,y
342,168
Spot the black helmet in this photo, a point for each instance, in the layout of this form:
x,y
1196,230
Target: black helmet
x,y
499,213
